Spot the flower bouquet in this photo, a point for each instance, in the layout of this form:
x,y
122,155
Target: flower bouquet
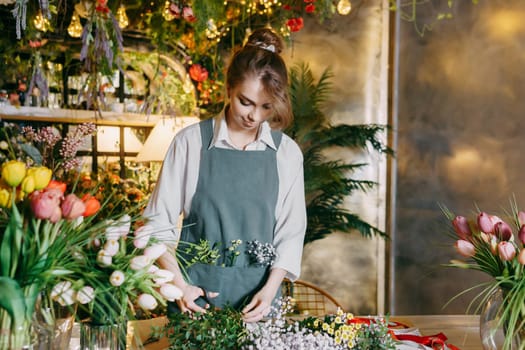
x,y
39,224
496,247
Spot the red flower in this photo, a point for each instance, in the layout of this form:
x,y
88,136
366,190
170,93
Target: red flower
x,y
174,10
92,205
35,44
287,7
309,1
198,73
310,8
59,185
295,24
102,6
187,14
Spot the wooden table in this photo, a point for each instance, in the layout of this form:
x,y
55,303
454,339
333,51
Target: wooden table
x,y
461,330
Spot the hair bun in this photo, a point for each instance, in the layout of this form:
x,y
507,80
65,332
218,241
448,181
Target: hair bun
x,y
266,39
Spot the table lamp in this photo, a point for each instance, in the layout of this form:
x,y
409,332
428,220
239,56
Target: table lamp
x,y
159,140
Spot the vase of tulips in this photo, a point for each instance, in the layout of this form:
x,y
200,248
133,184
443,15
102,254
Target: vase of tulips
x,y
496,246
39,223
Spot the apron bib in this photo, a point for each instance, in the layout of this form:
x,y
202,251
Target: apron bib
x,y
235,199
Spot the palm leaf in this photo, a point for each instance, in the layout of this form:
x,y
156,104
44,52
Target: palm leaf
x,y
328,182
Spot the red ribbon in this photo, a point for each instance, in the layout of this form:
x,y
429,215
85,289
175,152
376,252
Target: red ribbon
x,y
436,341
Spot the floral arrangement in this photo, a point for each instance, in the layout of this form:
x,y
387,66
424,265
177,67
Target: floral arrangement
x,y
496,247
225,329
54,247
39,223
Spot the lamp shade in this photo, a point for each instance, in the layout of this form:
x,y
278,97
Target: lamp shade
x,y
159,140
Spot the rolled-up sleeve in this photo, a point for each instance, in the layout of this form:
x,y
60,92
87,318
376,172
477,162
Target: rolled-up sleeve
x,y
291,210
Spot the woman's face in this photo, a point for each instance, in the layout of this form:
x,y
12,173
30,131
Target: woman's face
x,y
249,105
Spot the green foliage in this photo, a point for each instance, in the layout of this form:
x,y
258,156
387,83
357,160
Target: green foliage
x,y
215,329
328,182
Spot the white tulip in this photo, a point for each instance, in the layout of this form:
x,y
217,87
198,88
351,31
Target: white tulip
x,y
162,276
103,258
170,292
155,251
139,262
111,247
152,269
116,278
147,301
142,236
85,295
63,293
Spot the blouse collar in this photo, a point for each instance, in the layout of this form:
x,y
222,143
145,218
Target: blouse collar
x,y
220,132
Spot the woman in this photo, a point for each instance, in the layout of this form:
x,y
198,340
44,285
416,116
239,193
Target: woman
x,y
237,181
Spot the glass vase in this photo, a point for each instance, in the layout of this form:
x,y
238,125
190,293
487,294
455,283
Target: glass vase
x,y
15,338
53,324
102,336
493,329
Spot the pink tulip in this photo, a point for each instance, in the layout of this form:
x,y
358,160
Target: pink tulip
x,y
170,292
155,251
56,215
506,251
461,227
43,204
521,218
465,248
485,224
147,301
521,234
503,231
72,207
521,257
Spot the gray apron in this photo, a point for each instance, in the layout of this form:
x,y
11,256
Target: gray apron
x,y
235,199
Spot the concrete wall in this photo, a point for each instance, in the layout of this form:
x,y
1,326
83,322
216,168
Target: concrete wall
x,y
355,47
460,141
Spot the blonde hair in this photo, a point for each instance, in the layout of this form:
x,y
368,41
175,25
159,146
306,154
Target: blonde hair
x,y
260,57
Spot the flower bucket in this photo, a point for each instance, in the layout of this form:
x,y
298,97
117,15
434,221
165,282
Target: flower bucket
x,y
101,336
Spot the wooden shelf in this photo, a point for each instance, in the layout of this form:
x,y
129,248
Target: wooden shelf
x,y
74,116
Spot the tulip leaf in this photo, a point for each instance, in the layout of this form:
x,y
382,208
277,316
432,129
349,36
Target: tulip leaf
x,y
12,300
11,242
32,152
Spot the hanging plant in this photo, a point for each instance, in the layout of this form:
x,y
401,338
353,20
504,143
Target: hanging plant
x,y
102,45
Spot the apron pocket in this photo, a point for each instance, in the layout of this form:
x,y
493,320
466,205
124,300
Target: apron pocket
x,y
236,285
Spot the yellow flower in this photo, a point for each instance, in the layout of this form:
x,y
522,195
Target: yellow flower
x,y
5,198
41,175
28,184
13,172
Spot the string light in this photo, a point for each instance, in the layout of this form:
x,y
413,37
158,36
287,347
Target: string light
x,y
166,13
122,18
75,27
344,7
41,23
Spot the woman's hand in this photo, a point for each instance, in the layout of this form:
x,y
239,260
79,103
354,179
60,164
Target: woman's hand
x,y
190,294
259,306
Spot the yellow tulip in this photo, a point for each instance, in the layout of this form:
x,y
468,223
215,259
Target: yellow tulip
x,y
41,175
13,172
5,198
28,184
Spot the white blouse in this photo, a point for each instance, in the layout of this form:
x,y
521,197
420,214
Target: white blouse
x,y
178,181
